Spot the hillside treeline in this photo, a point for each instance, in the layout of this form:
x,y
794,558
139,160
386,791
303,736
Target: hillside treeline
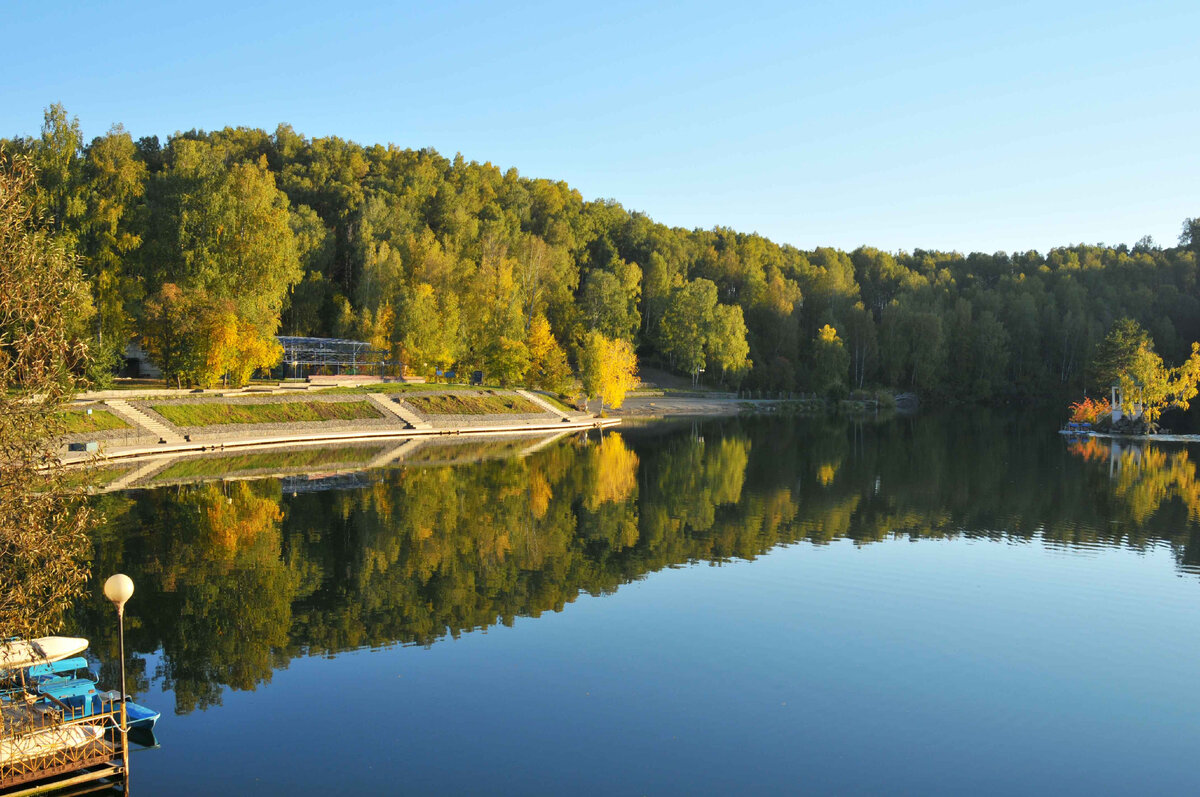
x,y
210,243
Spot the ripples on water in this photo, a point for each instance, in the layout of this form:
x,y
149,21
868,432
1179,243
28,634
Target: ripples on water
x,y
931,605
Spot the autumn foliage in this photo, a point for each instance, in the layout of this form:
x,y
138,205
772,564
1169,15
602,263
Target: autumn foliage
x,y
1090,410
609,369
1090,449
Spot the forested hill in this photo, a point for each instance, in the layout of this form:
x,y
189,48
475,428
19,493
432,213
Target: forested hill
x,y
453,262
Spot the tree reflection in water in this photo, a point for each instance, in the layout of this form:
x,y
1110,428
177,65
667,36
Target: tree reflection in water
x,y
1145,476
236,578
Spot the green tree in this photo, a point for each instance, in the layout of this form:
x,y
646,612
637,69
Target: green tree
x,y
686,323
307,310
607,305
1126,346
862,341
44,523
172,332
548,366
114,181
1190,236
830,360
227,232
370,222
507,359
428,329
57,157
726,346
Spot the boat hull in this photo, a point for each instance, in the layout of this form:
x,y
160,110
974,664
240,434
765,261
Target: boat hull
x,y
22,653
47,741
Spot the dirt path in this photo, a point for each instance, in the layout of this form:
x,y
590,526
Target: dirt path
x,y
662,406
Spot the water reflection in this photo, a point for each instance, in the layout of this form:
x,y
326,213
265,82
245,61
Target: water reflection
x,y
236,578
1147,479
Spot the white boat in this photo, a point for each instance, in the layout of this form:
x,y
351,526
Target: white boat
x,y
45,741
23,653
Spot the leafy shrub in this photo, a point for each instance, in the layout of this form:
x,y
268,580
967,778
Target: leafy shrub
x,y
1089,410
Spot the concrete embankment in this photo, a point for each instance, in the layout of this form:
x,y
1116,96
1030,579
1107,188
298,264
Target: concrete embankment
x,y
148,430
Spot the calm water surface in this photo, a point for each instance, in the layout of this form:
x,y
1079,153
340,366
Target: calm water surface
x,y
942,605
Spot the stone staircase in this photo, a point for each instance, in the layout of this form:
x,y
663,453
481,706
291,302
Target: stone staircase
x,y
542,443
541,402
395,454
145,421
393,407
138,473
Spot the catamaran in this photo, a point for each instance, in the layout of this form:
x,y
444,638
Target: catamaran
x,y
51,668
70,682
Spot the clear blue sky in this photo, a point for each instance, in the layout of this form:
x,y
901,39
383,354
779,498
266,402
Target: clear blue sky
x,y
963,126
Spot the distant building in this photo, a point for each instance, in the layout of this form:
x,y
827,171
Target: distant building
x,y
302,357
138,364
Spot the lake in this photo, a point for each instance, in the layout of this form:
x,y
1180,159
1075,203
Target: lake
x,y
945,604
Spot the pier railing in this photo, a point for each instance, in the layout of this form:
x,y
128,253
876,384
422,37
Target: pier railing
x,y
39,742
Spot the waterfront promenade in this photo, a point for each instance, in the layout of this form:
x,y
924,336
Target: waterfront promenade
x,y
148,423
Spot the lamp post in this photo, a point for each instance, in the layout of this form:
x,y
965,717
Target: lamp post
x,y
119,589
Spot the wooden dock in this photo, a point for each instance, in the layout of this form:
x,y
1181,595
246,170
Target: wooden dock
x,y
57,752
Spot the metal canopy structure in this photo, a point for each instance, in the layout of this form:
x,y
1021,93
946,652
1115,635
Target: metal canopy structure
x,y
304,356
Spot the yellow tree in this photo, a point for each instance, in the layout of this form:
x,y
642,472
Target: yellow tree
x,y
219,341
547,362
614,482
223,348
255,350
216,233
615,467
1147,380
609,369
830,360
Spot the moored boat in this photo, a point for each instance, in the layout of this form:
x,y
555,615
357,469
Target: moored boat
x,y
46,741
18,654
81,696
64,679
139,717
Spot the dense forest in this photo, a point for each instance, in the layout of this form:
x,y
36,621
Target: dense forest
x,y
210,243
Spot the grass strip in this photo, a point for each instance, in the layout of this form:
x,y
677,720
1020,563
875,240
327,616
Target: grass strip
x,y
97,476
456,453
472,404
213,414
77,421
210,467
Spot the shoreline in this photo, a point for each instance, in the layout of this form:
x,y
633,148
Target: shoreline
x,y
146,433
1143,438
348,434
150,435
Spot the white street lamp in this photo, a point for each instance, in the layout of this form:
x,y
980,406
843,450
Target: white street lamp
x,y
119,589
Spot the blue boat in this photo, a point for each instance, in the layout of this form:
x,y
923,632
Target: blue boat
x,y
138,717
70,683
